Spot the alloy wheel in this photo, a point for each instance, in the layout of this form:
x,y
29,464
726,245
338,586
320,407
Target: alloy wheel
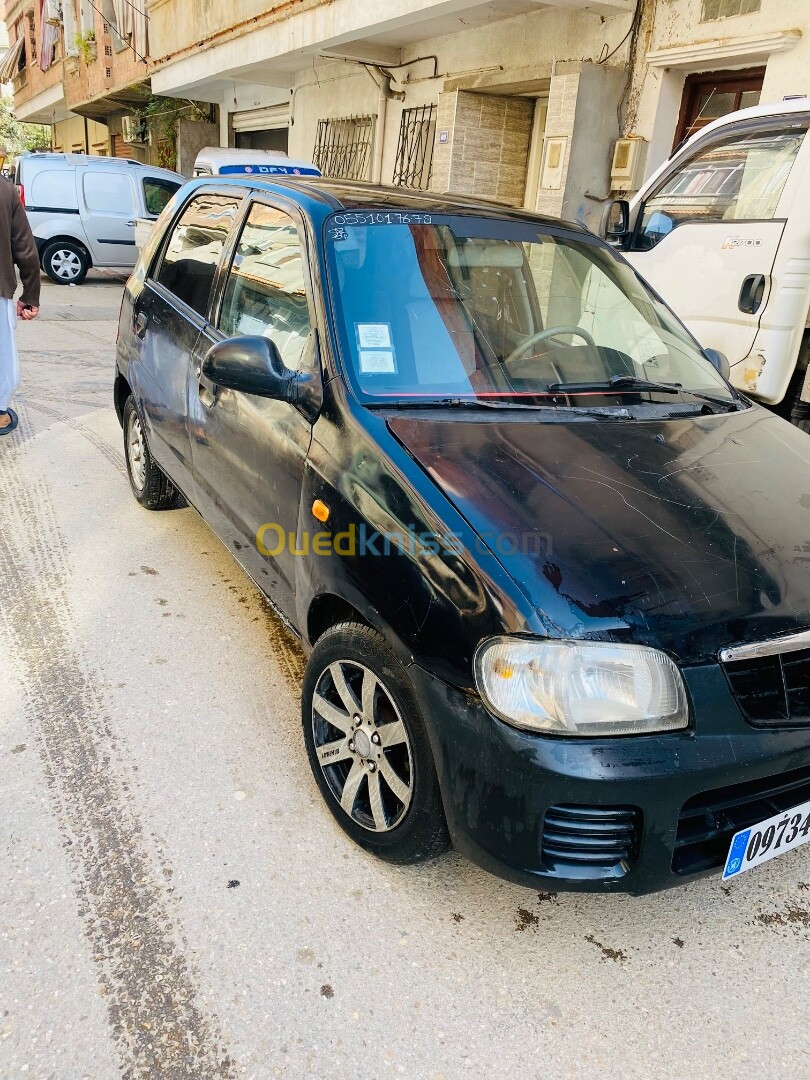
x,y
362,745
136,452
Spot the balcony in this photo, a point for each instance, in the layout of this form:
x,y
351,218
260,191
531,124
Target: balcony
x,y
201,60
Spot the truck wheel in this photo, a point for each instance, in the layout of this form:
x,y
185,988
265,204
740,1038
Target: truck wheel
x,y
368,747
65,262
796,410
150,485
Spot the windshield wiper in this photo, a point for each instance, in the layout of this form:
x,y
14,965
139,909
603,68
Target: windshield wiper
x,y
633,382
620,413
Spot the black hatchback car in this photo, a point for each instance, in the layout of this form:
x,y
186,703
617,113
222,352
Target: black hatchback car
x,y
551,569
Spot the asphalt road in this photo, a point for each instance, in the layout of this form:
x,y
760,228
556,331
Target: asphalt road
x,y
175,900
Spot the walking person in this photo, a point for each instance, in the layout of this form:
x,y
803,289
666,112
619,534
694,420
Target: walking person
x,y
17,247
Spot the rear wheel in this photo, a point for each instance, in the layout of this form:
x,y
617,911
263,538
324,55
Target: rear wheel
x,y
65,262
150,485
368,747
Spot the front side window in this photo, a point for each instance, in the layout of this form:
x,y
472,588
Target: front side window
x,y
738,179
194,249
157,192
265,293
488,310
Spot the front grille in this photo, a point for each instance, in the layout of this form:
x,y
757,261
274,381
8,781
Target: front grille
x,y
772,690
708,821
600,839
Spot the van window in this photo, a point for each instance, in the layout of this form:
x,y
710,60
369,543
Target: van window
x,y
194,248
157,192
52,189
738,179
108,192
266,289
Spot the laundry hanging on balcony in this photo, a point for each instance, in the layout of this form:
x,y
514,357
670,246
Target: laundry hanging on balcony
x,y
131,23
49,35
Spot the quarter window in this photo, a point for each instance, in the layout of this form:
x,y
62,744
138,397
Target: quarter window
x,y
194,249
266,289
739,179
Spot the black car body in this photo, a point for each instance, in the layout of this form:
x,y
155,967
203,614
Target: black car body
x,y
604,516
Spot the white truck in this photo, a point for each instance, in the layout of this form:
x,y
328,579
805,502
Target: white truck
x,y
722,231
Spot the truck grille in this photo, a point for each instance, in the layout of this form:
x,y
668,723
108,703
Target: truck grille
x,y
772,690
708,821
602,838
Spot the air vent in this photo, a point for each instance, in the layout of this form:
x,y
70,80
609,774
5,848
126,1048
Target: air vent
x,y
598,841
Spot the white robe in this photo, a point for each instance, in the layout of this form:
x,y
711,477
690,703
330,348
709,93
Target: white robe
x,y
9,360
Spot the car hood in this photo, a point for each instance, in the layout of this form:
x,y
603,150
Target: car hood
x,y
684,534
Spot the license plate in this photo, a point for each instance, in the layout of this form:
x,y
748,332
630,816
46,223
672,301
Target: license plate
x,y
769,838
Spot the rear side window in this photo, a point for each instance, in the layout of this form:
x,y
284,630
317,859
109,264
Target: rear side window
x,y
194,249
738,179
108,193
52,189
156,193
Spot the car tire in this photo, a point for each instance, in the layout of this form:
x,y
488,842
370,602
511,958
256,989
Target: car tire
x,y
383,791
150,485
65,262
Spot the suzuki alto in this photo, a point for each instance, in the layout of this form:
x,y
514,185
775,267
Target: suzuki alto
x,y
549,566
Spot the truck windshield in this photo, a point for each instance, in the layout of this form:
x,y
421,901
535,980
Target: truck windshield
x,y
433,307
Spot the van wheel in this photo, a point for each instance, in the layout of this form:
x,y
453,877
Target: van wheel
x,y
150,485
368,747
65,263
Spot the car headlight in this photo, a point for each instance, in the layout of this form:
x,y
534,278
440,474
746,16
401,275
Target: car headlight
x,y
580,687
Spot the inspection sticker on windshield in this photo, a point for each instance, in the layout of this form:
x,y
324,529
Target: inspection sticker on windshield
x,y
373,335
765,841
377,362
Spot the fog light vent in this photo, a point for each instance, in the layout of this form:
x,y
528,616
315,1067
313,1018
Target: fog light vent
x,y
601,841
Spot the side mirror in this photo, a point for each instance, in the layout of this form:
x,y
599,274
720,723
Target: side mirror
x,y
616,222
719,361
251,365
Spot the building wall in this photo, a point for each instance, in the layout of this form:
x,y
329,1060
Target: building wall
x,y
739,42
481,62
69,136
33,82
177,26
109,68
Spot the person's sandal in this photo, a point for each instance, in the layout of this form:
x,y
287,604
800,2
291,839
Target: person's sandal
x,y
14,421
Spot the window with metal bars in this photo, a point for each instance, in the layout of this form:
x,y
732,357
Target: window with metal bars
x,y
414,162
343,147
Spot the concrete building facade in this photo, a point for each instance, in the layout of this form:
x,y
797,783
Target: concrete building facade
x,y
512,99
521,100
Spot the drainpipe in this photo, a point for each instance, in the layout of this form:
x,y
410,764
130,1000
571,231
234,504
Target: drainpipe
x,y
379,135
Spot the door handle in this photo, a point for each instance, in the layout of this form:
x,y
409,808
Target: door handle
x,y
141,322
751,294
131,223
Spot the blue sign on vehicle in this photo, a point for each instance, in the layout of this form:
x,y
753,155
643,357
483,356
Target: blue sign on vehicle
x,y
269,170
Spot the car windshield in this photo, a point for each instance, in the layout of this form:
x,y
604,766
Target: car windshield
x,y
431,307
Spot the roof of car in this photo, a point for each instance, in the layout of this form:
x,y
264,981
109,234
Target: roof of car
x,y
355,195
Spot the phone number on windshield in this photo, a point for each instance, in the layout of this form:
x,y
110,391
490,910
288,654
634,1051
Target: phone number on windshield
x,y
382,218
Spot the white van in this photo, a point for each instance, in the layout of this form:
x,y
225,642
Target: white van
x,y
722,231
82,209
223,161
